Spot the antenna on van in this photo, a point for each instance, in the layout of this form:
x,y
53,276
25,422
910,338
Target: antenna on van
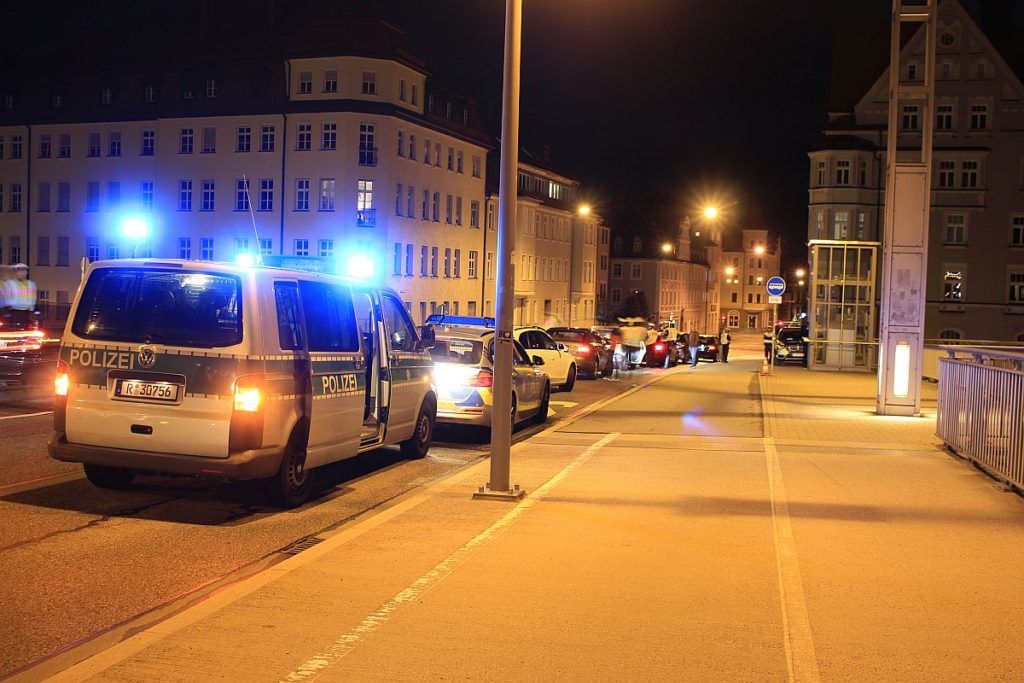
x,y
252,216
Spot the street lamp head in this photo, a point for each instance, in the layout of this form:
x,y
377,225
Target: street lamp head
x,y
759,249
711,212
800,272
800,282
729,270
584,209
666,247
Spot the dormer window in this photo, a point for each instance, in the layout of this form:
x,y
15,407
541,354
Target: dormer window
x,y
212,89
149,94
981,71
57,101
188,94
8,101
637,245
448,111
369,83
430,102
465,117
106,95
305,82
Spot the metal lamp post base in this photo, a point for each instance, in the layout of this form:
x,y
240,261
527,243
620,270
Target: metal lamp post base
x,y
487,493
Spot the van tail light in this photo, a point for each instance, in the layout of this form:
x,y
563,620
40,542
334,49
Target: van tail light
x,y
583,348
484,378
659,347
62,380
246,432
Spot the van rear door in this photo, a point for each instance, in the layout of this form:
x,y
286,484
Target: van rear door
x,y
152,354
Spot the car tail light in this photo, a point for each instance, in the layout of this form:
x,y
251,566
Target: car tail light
x,y
62,381
659,347
583,348
484,378
249,393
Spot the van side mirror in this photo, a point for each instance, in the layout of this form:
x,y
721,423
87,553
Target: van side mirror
x,y
537,360
427,338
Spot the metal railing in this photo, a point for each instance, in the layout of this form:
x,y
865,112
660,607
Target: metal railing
x,y
981,409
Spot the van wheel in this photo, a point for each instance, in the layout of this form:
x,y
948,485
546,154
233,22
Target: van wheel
x,y
542,413
109,477
293,484
418,444
570,380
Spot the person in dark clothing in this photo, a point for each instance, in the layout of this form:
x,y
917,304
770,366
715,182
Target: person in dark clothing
x,y
767,345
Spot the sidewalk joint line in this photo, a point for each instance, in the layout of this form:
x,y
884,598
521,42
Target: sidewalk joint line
x,y
344,644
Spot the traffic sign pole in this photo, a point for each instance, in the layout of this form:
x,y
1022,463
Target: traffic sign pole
x,y
775,287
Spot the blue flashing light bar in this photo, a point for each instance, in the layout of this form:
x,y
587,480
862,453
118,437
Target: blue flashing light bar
x,y
470,320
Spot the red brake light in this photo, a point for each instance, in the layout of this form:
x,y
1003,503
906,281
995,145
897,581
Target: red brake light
x,y
659,347
62,381
484,378
583,348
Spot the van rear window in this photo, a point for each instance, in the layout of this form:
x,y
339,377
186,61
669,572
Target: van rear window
x,y
174,308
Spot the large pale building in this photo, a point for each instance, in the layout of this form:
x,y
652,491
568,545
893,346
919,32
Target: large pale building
x,y
975,277
330,154
745,272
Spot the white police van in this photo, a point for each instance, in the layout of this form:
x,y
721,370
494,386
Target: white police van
x,y
210,369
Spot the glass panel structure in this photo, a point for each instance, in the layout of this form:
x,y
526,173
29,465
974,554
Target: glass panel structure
x,y
843,305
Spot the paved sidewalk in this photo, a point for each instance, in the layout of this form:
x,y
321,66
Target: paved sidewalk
x,y
836,545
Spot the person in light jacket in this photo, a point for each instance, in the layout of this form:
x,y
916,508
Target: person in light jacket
x,y
724,340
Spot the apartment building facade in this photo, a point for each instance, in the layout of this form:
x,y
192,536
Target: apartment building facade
x,y
326,159
744,274
975,278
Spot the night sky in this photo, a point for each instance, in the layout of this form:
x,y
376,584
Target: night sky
x,y
657,106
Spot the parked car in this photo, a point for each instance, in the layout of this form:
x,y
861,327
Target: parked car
x,y
592,353
790,346
28,355
708,348
559,362
662,354
464,376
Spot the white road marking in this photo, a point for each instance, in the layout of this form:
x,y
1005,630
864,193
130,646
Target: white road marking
x,y
347,642
564,404
18,417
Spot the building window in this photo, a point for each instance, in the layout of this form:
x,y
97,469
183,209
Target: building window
x,y
412,147
212,89
331,81
64,146
437,154
436,213
209,140
369,83
415,98
327,194
300,247
458,263
1017,231
410,202
401,143
944,117
953,281
471,267
243,141
57,101
423,261
206,249
266,194
304,138
302,194
451,158
365,214
242,194
45,146
148,143
635,270
184,195
209,196
146,191
426,152
956,228
43,251
241,246
448,210
367,145
821,173
969,174
329,136
92,249
15,146
186,140
267,133
617,270
1015,282
911,117
616,295
326,248
979,117
398,199
149,94
843,172
447,262
433,262
401,89
92,196
947,174
841,225
114,144
305,82
266,246
396,267
459,158
950,333
475,167
63,197
474,214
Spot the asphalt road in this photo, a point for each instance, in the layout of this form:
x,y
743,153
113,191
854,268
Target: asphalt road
x,y
77,562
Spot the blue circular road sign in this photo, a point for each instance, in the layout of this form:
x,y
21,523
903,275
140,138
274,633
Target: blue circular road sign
x,y
775,285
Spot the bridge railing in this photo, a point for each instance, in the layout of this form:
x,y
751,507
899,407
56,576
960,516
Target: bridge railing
x,y
981,409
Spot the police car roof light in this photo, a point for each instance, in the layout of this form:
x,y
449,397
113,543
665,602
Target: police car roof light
x,y
477,321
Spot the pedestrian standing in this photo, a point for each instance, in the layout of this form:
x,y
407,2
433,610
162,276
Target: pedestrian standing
x,y
768,346
21,293
723,343
693,341
615,341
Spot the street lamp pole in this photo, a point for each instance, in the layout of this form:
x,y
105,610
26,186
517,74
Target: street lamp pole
x,y
499,485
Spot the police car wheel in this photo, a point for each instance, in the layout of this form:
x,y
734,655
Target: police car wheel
x,y
294,483
423,433
542,413
570,379
109,477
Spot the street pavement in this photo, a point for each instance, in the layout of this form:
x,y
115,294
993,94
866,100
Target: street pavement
x,y
826,543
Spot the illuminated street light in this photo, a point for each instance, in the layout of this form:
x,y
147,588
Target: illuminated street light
x,y
729,270
584,209
759,249
666,247
800,282
800,272
711,212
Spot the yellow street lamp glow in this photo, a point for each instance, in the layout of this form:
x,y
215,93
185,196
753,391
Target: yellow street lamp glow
x,y
759,278
711,212
800,282
666,247
584,209
729,270
800,272
759,249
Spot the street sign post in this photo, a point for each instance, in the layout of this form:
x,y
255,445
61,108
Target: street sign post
x,y
775,287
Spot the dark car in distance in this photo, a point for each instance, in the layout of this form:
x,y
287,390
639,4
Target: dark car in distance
x,y
662,354
707,349
28,356
592,353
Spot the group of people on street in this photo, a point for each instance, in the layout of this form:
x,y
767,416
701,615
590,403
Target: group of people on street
x,y
17,296
630,342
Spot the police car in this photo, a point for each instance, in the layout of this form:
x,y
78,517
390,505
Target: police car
x,y
209,369
464,374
